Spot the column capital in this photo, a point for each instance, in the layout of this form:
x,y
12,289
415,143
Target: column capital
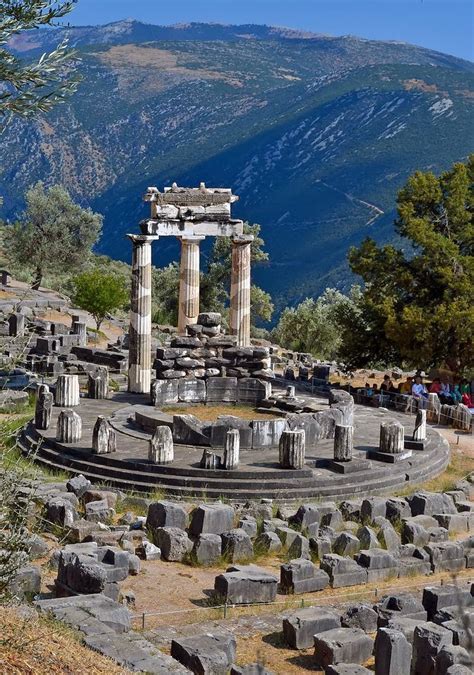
x,y
143,238
242,239
192,238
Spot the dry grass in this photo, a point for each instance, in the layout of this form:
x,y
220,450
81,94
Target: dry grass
x,y
32,645
209,413
461,464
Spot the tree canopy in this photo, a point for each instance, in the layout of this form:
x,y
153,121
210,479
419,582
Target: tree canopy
x,y
33,86
99,293
418,303
53,233
316,326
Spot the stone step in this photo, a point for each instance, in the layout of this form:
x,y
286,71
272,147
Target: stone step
x,y
102,474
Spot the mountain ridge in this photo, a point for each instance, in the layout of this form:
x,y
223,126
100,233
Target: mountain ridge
x,y
316,135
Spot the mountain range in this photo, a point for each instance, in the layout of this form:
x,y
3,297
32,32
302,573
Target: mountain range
x,y
316,134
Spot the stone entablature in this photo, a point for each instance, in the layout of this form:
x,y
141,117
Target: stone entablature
x,y
190,214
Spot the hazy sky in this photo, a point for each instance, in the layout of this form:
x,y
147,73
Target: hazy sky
x,y
444,25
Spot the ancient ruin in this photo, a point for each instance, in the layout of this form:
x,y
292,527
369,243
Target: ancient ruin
x,y
190,214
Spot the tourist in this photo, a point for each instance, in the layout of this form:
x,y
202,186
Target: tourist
x,y
467,401
435,387
387,383
456,394
465,387
419,391
446,395
405,387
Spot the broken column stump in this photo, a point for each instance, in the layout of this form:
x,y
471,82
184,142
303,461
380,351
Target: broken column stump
x,y
231,449
419,433
343,443
292,449
67,391
104,439
43,407
392,443
98,384
69,427
161,448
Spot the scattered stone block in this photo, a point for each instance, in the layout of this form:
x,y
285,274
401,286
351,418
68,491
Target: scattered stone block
x,y
389,538
26,583
302,576
454,522
360,616
380,564
91,614
299,547
436,598
372,507
211,519
173,543
78,485
320,546
429,503
346,544
99,511
249,525
393,652
205,653
343,571
149,551
449,656
246,586
367,538
166,514
300,627
236,545
428,640
446,556
342,645
60,512
207,549
333,519
188,430
268,542
287,535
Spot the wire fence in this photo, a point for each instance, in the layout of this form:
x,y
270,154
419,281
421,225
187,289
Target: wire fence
x,y
226,611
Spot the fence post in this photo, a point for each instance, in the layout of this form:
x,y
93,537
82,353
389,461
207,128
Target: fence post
x,y
143,621
225,610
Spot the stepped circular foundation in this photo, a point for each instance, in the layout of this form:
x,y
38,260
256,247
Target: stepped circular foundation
x,y
258,475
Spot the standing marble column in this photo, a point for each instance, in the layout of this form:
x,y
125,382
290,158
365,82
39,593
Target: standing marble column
x,y
189,282
240,289
139,366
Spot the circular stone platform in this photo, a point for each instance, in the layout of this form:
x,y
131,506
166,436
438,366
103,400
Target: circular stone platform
x,y
258,474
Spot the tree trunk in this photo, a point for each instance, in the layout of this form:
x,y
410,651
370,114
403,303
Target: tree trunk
x,y
38,279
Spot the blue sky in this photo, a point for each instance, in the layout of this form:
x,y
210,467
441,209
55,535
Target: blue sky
x,y
444,25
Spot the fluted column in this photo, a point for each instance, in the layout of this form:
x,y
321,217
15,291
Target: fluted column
x,y
240,289
139,366
189,282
